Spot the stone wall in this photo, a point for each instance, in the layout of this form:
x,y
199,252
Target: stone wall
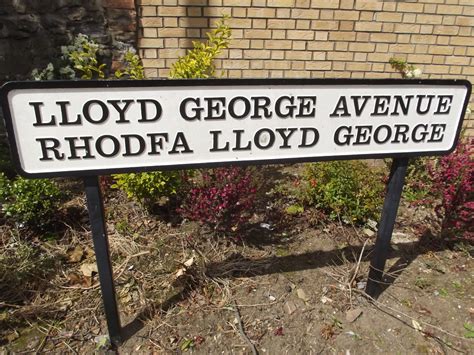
x,y
31,31
315,38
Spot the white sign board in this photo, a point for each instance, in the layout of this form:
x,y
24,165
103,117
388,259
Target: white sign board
x,y
98,127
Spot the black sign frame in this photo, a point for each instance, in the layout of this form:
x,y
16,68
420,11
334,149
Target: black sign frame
x,y
6,88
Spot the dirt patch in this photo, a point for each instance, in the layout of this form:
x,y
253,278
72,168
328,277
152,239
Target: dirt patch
x,y
292,286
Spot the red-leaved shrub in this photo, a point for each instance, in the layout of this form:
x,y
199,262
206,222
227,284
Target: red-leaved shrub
x,y
221,198
453,182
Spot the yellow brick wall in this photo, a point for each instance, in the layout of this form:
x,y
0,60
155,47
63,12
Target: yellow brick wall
x,y
315,38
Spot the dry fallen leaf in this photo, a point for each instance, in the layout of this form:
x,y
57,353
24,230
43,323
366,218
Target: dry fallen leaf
x,y
76,254
189,262
416,325
88,269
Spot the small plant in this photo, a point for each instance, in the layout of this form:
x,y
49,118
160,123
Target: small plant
x,y
147,188
85,61
77,59
23,270
419,182
133,67
346,190
294,209
408,71
199,62
223,198
33,202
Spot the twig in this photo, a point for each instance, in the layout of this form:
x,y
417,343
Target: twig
x,y
356,271
241,330
43,341
381,305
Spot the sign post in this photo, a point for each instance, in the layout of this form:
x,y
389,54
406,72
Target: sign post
x,y
102,255
387,222
91,128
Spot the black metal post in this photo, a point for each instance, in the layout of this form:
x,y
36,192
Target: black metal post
x,y
102,254
387,222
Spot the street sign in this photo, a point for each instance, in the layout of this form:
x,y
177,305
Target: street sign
x,y
79,128
87,128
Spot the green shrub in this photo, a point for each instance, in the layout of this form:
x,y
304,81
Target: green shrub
x,y
199,62
147,188
133,67
33,202
418,182
347,190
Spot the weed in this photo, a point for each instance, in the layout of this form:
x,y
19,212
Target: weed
x,y
294,209
422,283
345,190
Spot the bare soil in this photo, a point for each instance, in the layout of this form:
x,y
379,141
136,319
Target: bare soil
x,y
294,284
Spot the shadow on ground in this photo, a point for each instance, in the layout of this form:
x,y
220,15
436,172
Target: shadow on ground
x,y
405,252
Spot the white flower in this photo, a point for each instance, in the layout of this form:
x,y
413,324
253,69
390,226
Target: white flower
x,y
417,73
408,74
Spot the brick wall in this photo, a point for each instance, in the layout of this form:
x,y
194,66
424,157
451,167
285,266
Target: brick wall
x,y
315,38
32,32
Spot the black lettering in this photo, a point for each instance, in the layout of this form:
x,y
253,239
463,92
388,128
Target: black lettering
x,y
121,110
263,143
388,134
51,148
99,147
180,142
359,107
290,108
64,115
39,119
403,105
232,104
304,137
261,106
286,137
362,136
158,109
347,137
156,140
238,140
400,130
444,104
215,143
215,105
341,106
128,144
437,132
423,133
74,147
197,110
307,106
381,106
420,98
103,115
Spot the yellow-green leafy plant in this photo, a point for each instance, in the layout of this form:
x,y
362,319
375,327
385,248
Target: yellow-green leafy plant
x,y
199,61
78,59
147,188
133,67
